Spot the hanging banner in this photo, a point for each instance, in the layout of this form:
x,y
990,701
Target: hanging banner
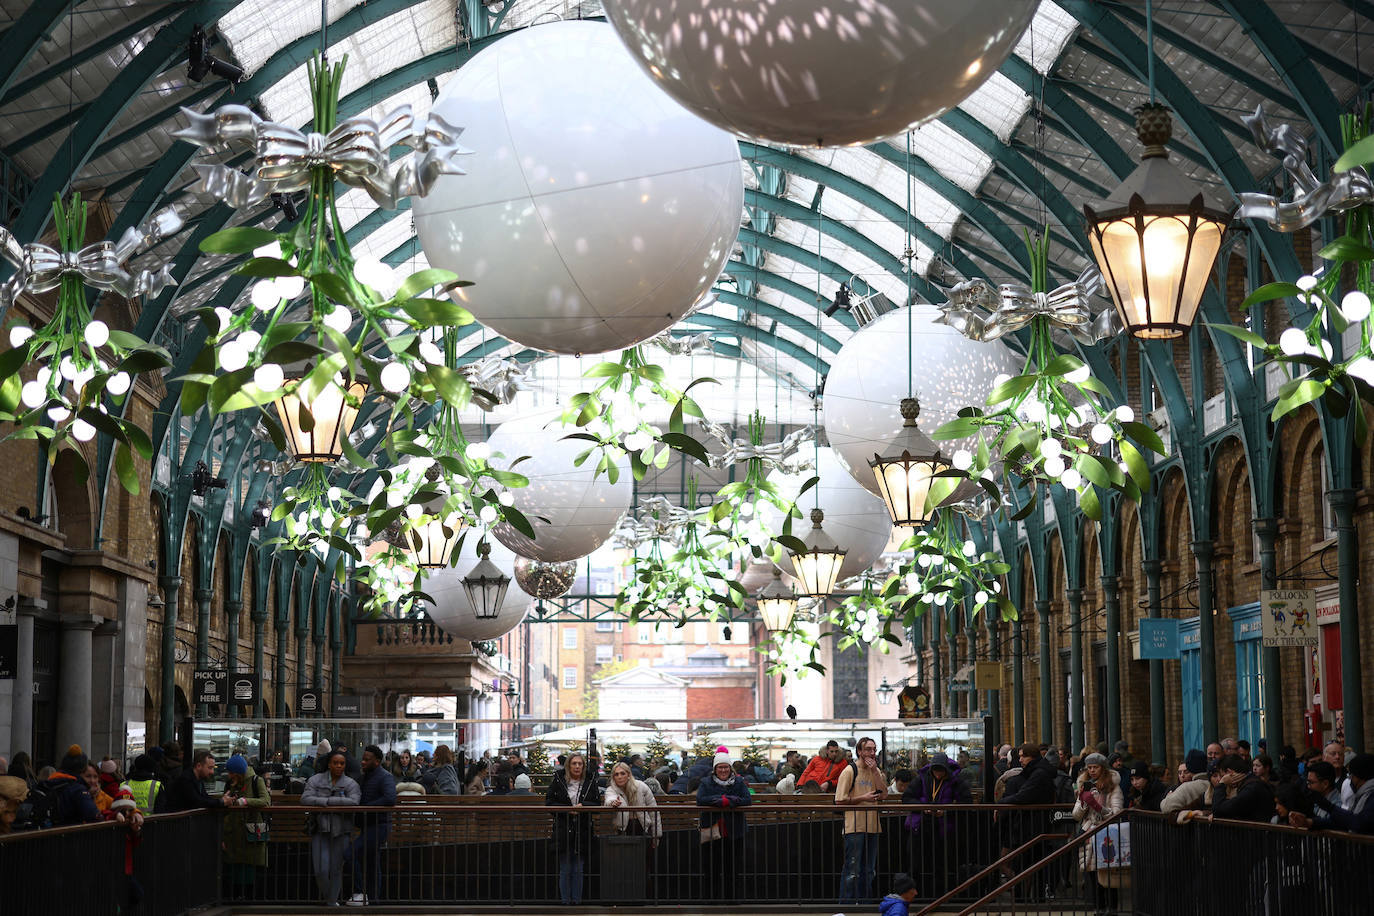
x,y
244,686
1159,638
1289,616
308,702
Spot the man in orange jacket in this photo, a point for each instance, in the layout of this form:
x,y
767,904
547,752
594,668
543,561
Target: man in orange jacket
x,y
824,769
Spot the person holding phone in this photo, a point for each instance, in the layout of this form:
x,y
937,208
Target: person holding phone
x,y
860,785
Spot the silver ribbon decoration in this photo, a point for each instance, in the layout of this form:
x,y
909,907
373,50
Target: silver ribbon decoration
x,y
774,455
40,268
681,346
1313,198
495,380
356,150
981,312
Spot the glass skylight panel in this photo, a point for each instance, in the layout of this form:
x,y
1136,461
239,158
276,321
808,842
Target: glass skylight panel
x,y
353,205
526,12
1042,43
1000,104
257,29
392,235
948,153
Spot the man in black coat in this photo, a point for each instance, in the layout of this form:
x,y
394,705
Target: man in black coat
x,y
1242,796
187,791
378,788
1036,787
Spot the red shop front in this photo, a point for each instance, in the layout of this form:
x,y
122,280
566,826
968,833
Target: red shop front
x,y
1325,720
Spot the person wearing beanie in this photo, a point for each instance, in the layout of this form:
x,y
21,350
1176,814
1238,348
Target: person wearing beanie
x,y
144,785
936,783
70,797
109,776
722,834
1195,791
523,786
171,763
1099,799
898,903
244,831
1146,792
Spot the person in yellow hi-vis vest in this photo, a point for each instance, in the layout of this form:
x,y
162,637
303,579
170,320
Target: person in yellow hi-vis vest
x,y
144,785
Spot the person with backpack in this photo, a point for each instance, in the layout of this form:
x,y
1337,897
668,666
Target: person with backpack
x,y
143,785
63,799
245,829
861,784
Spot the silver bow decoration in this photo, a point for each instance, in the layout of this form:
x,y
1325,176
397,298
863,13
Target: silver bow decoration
x,y
1313,198
40,268
495,380
774,455
981,312
356,150
681,346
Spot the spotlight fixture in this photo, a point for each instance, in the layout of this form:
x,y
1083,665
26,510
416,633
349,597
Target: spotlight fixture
x,y
261,514
202,481
202,63
287,205
842,300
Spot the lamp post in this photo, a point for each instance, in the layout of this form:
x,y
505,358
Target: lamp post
x,y
818,566
906,471
485,585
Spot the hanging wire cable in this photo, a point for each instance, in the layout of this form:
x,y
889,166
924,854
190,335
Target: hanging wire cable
x,y
816,400
908,253
1150,47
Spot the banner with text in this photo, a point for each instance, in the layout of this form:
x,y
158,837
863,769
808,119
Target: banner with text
x,y
1159,638
1289,616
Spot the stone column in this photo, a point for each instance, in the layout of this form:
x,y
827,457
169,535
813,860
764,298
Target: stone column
x,y
995,696
166,726
74,682
1348,571
203,597
259,656
1154,570
1111,597
1076,732
1204,551
1042,610
318,682
282,686
232,609
21,718
1267,532
1018,684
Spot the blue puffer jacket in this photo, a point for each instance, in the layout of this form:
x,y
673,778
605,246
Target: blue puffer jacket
x,y
892,905
730,797
699,770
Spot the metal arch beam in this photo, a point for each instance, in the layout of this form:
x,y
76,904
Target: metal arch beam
x,y
1314,97
830,268
1200,122
106,109
773,313
1077,123
1124,117
21,40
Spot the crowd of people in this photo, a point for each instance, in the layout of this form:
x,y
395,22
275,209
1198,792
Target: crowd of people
x,y
1321,789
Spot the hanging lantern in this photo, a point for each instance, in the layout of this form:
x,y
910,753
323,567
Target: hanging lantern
x,y
486,585
777,604
885,692
334,413
432,543
1157,240
819,565
906,471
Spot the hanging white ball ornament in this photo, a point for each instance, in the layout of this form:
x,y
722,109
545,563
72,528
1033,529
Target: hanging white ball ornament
x,y
1293,342
395,377
1102,433
82,431
1071,478
452,609
962,459
20,335
1355,306
1125,414
1054,466
289,287
269,377
1306,282
1078,376
598,212
233,356
97,333
33,394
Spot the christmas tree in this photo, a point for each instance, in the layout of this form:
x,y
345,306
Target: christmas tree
x,y
755,753
616,752
537,758
657,748
704,746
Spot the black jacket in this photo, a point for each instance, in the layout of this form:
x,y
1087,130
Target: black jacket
x,y
1037,784
186,793
1148,798
572,832
1253,801
378,788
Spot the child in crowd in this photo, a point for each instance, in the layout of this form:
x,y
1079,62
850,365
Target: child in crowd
x,y
898,902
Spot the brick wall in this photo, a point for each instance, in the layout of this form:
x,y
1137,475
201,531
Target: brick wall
x,y
720,702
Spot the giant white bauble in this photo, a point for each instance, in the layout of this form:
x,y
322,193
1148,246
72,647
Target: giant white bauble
x,y
572,513
452,610
596,211
868,379
820,72
856,519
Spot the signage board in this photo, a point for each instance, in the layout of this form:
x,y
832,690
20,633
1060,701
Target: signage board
x,y
348,707
210,685
243,688
309,702
1159,638
9,650
1289,616
987,675
913,702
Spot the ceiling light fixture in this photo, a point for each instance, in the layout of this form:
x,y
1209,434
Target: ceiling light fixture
x,y
777,604
201,63
486,585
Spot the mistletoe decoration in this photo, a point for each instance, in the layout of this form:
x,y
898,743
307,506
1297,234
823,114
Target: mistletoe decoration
x,y
946,570
1338,296
610,416
85,367
1050,424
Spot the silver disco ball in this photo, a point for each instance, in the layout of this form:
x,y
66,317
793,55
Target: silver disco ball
x,y
544,580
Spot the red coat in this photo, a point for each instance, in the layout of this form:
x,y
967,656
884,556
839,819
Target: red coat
x,y
822,769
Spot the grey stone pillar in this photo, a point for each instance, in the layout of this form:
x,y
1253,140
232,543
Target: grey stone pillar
x,y
233,609
1154,570
259,657
1111,598
74,682
1077,737
166,726
21,716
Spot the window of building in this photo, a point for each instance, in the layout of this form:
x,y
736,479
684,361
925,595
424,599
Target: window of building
x,y
604,654
644,633
570,677
570,637
605,626
700,634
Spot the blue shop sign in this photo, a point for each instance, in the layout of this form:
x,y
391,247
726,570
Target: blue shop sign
x,y
1159,638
